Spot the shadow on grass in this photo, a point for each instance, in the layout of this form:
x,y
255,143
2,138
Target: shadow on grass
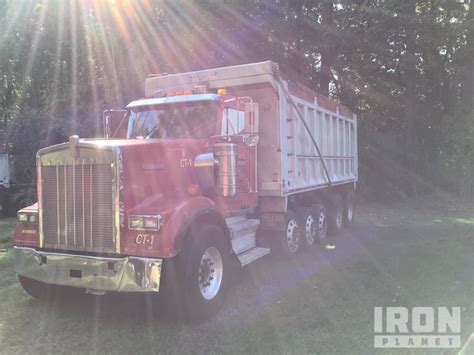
x,y
110,309
256,284
330,293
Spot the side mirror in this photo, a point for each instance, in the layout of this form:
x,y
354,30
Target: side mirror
x,y
115,123
251,118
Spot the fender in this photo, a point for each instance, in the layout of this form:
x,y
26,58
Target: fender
x,y
178,217
196,210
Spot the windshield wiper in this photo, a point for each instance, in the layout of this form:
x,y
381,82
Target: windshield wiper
x,y
152,131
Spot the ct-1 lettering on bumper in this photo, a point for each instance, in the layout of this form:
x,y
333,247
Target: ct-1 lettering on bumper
x,y
122,274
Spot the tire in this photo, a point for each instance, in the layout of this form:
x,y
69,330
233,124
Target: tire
x,y
321,218
309,228
206,273
349,208
336,215
24,201
290,240
19,201
35,289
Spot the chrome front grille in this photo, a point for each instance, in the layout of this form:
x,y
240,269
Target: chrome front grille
x,y
77,203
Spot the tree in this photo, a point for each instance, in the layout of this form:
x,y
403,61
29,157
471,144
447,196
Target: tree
x,y
404,66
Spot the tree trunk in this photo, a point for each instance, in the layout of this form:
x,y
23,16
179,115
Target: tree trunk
x,y
410,96
327,53
468,100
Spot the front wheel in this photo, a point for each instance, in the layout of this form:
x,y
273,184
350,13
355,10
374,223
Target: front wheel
x,y
207,271
211,272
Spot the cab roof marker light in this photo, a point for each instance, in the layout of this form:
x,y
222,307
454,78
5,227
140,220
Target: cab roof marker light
x,y
179,93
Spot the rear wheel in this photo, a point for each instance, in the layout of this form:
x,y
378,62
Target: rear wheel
x,y
321,223
291,240
336,215
309,227
349,208
206,267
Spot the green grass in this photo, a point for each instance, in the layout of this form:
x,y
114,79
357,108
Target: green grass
x,y
7,226
322,303
332,310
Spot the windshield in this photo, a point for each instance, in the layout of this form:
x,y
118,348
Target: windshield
x,y
184,120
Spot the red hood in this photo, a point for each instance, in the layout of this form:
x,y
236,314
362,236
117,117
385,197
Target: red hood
x,y
153,166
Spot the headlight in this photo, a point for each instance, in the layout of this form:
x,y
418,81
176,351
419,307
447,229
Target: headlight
x,y
136,222
145,222
25,217
151,223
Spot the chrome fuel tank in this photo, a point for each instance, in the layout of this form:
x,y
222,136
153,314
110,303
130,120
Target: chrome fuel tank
x,y
226,155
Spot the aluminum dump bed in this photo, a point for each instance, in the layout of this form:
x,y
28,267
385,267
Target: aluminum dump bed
x,y
288,160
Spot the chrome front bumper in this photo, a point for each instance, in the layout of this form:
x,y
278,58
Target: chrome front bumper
x,y
125,274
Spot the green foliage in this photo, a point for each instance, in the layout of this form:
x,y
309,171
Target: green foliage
x,y
405,67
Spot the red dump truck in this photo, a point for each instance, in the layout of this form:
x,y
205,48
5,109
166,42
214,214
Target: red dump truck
x,y
186,183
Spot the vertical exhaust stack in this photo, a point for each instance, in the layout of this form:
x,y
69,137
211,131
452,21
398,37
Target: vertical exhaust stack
x,y
226,155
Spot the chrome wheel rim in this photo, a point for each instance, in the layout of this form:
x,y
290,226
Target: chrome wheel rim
x,y
310,229
339,217
322,226
350,211
210,273
292,237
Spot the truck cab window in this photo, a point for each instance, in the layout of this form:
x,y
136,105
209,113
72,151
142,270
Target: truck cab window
x,y
233,122
195,120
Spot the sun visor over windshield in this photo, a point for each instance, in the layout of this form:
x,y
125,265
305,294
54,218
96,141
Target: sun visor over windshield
x,y
173,100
